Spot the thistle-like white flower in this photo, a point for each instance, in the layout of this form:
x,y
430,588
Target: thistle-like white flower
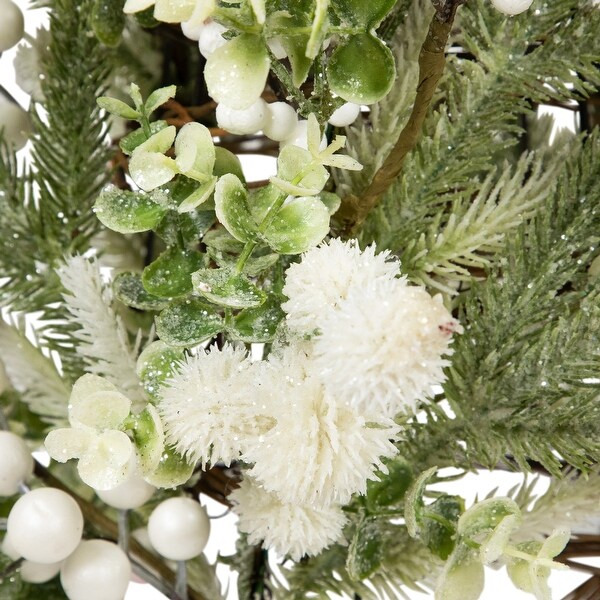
x,y
208,408
335,449
382,349
97,411
326,275
290,529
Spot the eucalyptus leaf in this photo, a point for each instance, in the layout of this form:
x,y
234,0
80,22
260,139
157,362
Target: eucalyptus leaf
x,y
132,140
361,69
159,97
439,538
169,276
360,13
172,470
300,224
128,289
366,550
118,108
147,431
127,212
227,162
107,21
155,365
220,239
413,503
231,205
224,287
188,322
391,487
259,324
200,195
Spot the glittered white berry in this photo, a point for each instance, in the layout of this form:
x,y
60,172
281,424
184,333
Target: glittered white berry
x,y
210,38
11,24
345,114
97,570
132,493
16,464
281,121
178,528
14,121
31,572
247,120
512,7
45,525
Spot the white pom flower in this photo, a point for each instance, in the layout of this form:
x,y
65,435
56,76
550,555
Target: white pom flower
x,y
207,408
340,450
382,348
290,529
325,276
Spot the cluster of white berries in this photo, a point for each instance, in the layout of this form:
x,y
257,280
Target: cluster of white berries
x,y
45,526
277,120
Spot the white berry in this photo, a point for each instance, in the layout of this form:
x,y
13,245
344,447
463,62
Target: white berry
x,y
16,464
132,493
45,525
281,121
512,7
210,38
247,120
178,528
31,572
97,570
14,121
345,114
12,24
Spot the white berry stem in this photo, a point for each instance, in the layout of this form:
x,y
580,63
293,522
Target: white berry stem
x,y
181,581
123,526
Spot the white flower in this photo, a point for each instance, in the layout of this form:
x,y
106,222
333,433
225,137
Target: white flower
x,y
325,276
208,409
382,348
320,451
96,413
289,529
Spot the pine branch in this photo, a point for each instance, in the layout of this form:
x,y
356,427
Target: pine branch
x,y
431,66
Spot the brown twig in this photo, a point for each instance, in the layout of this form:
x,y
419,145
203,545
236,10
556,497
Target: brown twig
x,y
432,60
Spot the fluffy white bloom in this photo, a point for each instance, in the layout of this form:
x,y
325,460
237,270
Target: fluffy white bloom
x,y
96,414
326,275
290,529
208,409
103,339
320,451
382,349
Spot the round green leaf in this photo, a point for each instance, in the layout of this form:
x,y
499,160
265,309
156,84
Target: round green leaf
x,y
223,287
231,205
482,518
366,14
439,538
132,140
159,97
127,212
148,437
200,195
463,576
117,107
361,69
258,324
413,504
169,276
188,322
108,20
300,224
195,151
155,365
366,550
236,73
227,162
172,470
390,488
128,288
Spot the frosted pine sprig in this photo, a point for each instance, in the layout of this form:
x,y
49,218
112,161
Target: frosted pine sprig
x,y
102,337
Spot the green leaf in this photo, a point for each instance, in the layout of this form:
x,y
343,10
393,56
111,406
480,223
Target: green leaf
x,y
462,577
195,151
224,287
363,14
299,225
391,487
200,195
158,98
155,365
173,470
147,431
254,266
169,276
331,201
258,324
146,18
439,538
298,167
319,29
129,290
413,504
188,322
236,73
366,550
262,199
231,205
361,69
132,140
227,162
483,517
118,107
107,20
220,239
127,212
